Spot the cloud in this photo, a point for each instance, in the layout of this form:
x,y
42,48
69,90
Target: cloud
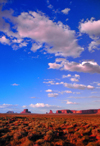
x,y
15,84
38,29
77,76
32,97
73,86
74,80
92,28
49,90
24,106
66,76
88,66
66,10
94,45
69,102
3,1
54,66
60,59
49,82
50,6
4,40
84,97
53,94
78,86
7,106
35,47
42,105
67,91
39,105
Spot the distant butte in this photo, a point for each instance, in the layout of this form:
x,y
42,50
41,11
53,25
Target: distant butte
x,y
25,111
67,111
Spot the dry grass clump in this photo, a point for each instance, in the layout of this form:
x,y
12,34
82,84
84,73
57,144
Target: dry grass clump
x,y
50,130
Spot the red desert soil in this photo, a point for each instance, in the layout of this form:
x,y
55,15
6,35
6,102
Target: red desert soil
x,y
49,130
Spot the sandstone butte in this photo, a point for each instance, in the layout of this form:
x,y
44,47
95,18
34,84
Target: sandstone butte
x,y
67,111
25,111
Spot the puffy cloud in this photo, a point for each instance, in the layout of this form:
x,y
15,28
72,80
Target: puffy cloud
x,y
94,45
4,40
50,6
42,105
74,80
15,84
54,66
39,29
66,10
92,28
77,76
78,86
66,76
88,66
67,91
60,59
53,94
69,102
49,90
7,105
73,86
49,82
90,87
35,47
39,105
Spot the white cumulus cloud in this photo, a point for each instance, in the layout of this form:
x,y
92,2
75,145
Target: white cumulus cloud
x,y
49,90
92,28
53,94
74,80
88,66
38,29
15,84
66,10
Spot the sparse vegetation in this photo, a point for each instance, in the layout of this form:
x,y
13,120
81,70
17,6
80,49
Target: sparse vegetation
x,y
49,130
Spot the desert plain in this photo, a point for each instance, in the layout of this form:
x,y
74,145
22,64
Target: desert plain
x,y
49,129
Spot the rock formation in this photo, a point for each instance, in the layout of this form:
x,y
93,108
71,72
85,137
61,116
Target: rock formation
x,y
25,111
51,112
10,112
89,111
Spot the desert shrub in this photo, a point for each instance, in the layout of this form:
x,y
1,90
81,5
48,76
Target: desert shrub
x,y
79,142
40,141
81,131
50,132
77,135
59,143
85,138
94,131
87,132
71,130
27,143
92,144
19,134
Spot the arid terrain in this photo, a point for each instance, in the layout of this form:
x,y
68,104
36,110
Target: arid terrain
x,y
49,130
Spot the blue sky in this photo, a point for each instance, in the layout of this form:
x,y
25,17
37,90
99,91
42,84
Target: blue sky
x,y
49,55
